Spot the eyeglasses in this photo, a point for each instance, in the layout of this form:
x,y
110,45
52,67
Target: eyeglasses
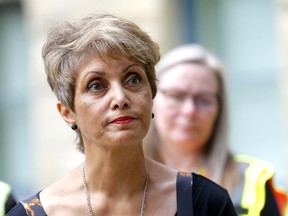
x,y
203,102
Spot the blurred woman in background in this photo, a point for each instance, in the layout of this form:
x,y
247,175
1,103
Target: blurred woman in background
x,y
189,131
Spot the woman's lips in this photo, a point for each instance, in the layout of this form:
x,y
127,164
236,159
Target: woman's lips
x,y
123,120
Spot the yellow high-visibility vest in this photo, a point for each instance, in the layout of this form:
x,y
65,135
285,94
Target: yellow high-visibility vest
x,y
5,190
257,174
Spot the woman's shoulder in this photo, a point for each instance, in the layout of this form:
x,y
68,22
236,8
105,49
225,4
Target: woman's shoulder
x,y
155,166
204,185
18,210
210,198
29,206
60,194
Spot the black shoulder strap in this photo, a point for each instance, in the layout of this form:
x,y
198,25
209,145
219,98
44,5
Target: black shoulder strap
x,y
33,206
184,194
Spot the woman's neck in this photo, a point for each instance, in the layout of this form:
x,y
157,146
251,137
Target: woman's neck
x,y
112,172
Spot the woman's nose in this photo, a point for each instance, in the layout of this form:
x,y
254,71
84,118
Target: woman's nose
x,y
119,98
189,106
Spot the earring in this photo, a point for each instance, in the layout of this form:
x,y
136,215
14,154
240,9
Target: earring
x,y
152,115
74,126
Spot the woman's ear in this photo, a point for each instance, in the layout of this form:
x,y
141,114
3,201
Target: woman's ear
x,y
66,113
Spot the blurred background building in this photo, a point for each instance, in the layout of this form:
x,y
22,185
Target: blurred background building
x,y
249,36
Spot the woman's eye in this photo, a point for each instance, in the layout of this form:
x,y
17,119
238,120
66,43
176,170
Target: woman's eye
x,y
95,86
178,97
133,79
203,101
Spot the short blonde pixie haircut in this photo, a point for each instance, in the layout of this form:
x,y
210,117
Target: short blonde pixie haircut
x,y
71,45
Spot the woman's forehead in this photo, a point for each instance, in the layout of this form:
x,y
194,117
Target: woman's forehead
x,y
190,75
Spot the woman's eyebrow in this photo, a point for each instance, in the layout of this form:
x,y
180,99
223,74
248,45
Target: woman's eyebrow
x,y
100,73
132,65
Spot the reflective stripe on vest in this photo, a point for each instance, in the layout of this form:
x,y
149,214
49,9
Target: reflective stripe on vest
x,y
256,176
4,193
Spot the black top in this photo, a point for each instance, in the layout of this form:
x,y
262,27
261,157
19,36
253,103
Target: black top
x,y
208,199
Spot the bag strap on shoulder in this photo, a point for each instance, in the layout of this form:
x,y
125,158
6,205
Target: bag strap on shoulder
x,y
184,194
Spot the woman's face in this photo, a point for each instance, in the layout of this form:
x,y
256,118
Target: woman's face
x,y
186,106
113,102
